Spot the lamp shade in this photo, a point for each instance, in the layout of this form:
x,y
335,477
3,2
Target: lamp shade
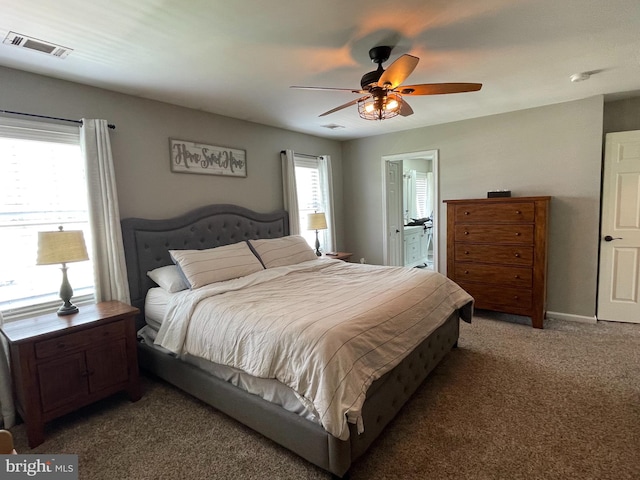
x,y
61,247
316,221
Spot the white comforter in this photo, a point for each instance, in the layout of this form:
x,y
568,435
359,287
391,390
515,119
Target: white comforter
x,y
325,328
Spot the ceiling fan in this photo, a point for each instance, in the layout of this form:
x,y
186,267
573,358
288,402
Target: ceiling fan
x,y
383,91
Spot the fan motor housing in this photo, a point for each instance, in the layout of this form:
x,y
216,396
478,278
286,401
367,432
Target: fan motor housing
x,y
377,55
371,78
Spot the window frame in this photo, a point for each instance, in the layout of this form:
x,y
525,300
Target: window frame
x,y
52,133
324,205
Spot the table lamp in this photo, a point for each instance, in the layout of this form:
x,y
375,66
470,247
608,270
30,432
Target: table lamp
x,y
317,221
62,247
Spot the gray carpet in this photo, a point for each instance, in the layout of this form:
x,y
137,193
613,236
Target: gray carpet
x,y
510,403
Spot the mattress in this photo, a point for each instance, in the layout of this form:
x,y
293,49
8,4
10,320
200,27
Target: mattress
x,y
269,389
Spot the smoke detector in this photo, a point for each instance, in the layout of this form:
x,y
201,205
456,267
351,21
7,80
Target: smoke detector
x,y
48,48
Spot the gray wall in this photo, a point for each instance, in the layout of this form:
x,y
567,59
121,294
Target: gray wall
x,y
622,115
140,145
554,150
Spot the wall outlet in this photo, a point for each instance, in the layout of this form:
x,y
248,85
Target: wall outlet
x,y
362,260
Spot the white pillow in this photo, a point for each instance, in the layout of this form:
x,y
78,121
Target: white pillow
x,y
278,252
203,267
169,278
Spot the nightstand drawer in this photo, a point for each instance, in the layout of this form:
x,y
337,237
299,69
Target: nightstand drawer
x,y
75,341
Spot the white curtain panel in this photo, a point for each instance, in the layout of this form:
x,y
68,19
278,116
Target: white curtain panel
x,y
326,178
104,215
290,192
7,409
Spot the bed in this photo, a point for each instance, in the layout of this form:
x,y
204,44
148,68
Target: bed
x,y
332,445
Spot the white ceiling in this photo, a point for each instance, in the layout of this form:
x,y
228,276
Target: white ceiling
x,y
239,57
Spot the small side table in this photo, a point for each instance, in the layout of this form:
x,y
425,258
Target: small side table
x,y
344,256
62,363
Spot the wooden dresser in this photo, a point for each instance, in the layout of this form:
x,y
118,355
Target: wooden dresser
x,y
497,251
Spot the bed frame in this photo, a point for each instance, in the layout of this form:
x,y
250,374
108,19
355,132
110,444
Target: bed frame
x,y
146,244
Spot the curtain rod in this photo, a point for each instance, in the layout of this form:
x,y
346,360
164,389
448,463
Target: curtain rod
x,y
302,154
111,126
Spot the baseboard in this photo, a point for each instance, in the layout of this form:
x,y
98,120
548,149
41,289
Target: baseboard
x,y
571,318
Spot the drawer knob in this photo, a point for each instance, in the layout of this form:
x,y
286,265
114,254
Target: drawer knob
x,y
467,213
466,252
518,212
515,297
517,255
516,276
517,234
466,272
466,233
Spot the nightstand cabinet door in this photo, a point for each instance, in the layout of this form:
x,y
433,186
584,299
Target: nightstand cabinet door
x,y
107,366
62,381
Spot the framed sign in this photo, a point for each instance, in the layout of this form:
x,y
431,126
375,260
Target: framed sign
x,y
192,157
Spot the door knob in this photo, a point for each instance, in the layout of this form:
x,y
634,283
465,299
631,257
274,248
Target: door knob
x,y
609,238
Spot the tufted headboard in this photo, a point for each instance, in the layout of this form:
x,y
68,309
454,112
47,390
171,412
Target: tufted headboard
x,y
147,242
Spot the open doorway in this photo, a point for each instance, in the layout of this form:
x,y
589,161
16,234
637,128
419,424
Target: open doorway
x,y
410,216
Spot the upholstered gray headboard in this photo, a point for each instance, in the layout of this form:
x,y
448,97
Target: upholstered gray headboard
x,y
147,242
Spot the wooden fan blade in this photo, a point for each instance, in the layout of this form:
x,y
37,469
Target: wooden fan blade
x,y
398,71
405,109
438,88
345,105
329,88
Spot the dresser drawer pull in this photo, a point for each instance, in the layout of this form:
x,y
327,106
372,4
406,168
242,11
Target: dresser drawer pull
x,y
516,276
467,213
466,233
466,252
515,297
518,212
517,255
517,234
466,272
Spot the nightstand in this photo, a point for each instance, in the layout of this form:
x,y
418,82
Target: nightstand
x,y
344,256
62,363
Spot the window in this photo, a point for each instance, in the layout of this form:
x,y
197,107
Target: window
x,y
42,186
312,191
422,188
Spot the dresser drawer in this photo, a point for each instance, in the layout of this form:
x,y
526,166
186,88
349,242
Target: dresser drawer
x,y
505,234
495,274
494,297
495,213
74,341
503,254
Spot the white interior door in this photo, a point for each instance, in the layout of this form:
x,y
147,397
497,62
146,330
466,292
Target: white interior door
x,y
394,223
619,280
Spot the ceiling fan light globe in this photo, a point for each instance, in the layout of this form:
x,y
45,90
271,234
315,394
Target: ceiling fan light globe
x,y
380,107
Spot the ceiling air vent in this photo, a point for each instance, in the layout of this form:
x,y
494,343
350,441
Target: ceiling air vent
x,y
31,43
